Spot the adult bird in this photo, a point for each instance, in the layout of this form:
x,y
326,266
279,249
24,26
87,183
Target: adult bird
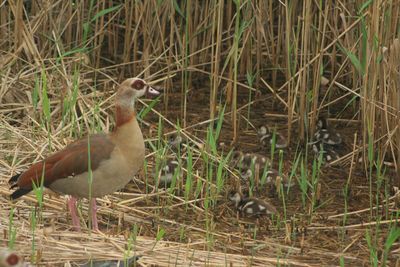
x,y
98,164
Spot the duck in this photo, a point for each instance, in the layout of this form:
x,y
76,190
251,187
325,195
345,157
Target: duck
x,y
267,137
114,157
168,171
272,177
329,153
175,141
251,207
326,141
247,160
325,134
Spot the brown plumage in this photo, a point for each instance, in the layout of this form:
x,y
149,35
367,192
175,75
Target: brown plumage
x,y
114,157
69,162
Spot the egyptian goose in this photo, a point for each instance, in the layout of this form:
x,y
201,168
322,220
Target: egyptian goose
x,y
272,177
326,141
114,157
251,206
246,160
267,137
326,135
329,153
9,258
168,171
175,141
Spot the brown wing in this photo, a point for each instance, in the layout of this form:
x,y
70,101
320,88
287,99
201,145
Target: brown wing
x,y
71,161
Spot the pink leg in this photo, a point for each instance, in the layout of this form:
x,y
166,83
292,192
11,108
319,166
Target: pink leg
x,y
72,209
93,207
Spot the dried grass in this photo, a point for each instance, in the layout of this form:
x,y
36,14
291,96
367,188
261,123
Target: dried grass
x,y
191,49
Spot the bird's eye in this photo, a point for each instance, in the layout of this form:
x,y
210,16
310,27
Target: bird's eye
x,y
138,84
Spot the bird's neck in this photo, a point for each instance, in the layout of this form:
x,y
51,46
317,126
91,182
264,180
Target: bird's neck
x,y
127,127
124,115
127,135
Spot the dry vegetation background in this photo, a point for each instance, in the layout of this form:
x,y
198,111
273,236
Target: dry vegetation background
x,y
278,62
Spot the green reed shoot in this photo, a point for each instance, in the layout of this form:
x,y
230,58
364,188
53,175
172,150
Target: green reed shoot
x,y
46,116
293,171
393,236
35,93
211,140
281,190
189,176
379,180
373,252
12,231
280,172
221,174
182,233
252,178
131,246
264,175
273,145
39,188
341,261
303,182
208,161
104,12
45,101
159,236
370,164
33,229
220,120
254,236
69,101
316,170
172,188
144,111
199,186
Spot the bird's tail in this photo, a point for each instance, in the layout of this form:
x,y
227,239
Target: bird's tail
x,y
13,184
13,180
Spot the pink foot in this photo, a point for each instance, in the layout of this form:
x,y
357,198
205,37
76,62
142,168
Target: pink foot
x,y
93,208
72,209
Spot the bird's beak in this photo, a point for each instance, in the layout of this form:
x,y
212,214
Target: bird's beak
x,y
152,92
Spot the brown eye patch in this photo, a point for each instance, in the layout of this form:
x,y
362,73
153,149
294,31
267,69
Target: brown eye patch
x,y
138,85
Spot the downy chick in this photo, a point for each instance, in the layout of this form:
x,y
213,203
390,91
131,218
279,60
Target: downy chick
x,y
251,206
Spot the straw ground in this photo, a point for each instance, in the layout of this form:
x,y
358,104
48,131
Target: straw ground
x,y
239,63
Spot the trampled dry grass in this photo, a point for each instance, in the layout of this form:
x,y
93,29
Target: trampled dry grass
x,y
303,64
230,241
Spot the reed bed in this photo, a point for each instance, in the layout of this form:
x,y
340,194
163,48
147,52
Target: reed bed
x,y
226,67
